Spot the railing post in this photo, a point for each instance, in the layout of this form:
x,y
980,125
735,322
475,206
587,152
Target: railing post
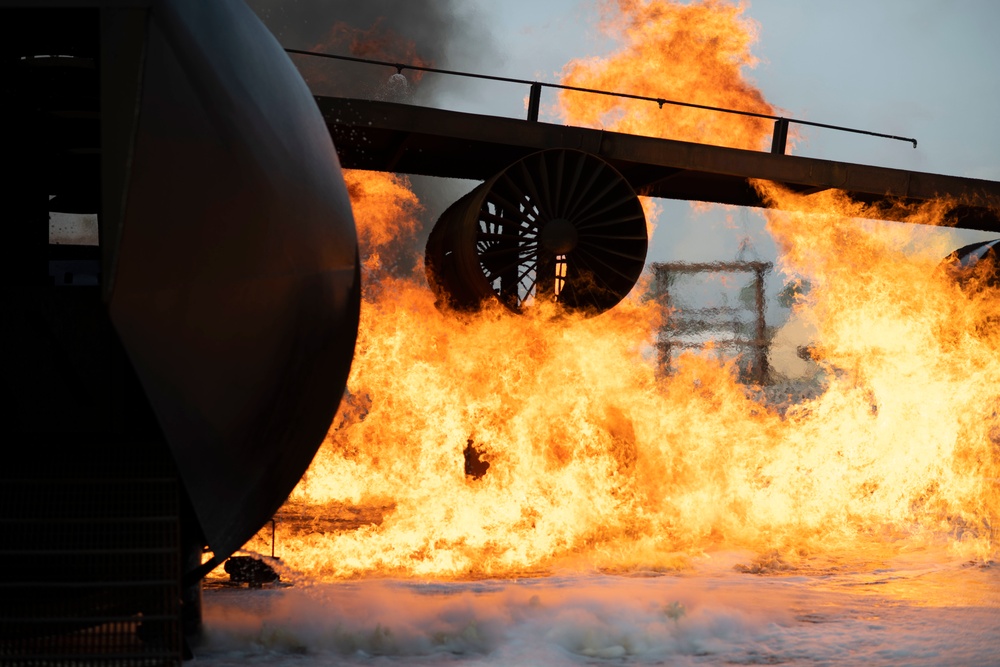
x,y
534,101
780,136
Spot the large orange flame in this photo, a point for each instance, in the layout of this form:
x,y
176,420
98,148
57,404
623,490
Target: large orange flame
x,y
694,53
596,459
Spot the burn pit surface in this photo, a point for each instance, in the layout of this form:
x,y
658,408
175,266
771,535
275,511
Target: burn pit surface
x,y
916,611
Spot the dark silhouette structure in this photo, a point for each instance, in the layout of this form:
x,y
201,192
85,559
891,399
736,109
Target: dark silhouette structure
x,y
168,381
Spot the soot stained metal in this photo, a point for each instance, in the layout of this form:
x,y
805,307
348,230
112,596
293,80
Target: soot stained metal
x,y
560,225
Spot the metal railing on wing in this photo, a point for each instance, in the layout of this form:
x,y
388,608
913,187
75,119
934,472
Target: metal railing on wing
x,y
781,123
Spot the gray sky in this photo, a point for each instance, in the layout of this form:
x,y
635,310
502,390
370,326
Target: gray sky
x,y
921,68
916,68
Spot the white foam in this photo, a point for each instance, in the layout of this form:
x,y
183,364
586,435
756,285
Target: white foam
x,y
883,619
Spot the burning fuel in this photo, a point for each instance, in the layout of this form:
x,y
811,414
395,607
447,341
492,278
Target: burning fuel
x,y
486,444
595,460
694,53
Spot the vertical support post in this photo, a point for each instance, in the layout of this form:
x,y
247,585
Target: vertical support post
x,y
665,357
780,137
760,343
192,620
664,345
534,101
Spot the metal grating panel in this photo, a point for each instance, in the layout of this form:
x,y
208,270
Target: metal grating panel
x,y
91,570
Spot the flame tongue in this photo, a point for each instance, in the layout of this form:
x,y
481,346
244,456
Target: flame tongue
x,y
693,53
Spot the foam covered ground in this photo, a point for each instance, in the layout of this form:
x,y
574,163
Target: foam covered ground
x,y
919,610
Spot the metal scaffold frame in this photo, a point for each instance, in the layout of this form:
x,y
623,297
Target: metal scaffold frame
x,y
701,320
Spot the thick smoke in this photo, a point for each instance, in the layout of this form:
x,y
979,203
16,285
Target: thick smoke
x,y
433,33
444,34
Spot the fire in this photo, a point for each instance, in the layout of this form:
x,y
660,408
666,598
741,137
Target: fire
x,y
598,460
693,53
913,357
395,218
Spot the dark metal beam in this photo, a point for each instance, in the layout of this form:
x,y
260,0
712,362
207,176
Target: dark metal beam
x,y
369,134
